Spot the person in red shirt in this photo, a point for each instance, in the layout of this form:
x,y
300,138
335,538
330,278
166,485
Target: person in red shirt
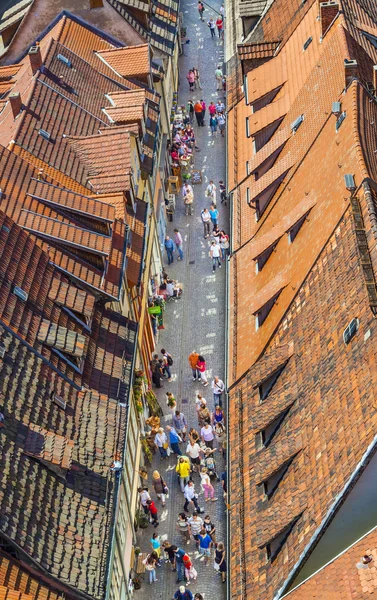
x,y
219,25
153,512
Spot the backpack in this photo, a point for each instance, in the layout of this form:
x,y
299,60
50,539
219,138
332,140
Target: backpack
x,y
170,360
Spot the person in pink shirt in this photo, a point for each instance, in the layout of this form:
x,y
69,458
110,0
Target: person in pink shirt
x,y
212,109
191,79
204,106
201,367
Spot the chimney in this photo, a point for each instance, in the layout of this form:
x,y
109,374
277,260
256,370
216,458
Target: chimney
x,y
351,70
328,12
15,102
35,58
95,4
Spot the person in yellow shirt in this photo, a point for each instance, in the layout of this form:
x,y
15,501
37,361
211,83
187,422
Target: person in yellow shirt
x,y
183,469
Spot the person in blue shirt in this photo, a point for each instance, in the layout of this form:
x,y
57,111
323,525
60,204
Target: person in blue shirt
x,y
179,554
214,215
183,594
205,545
169,247
174,440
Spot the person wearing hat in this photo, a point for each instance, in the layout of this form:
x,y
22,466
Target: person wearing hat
x,y
183,594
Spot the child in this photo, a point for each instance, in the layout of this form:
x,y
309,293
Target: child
x,y
156,546
153,512
190,572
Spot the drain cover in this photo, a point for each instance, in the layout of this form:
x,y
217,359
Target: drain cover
x,y
191,262
185,400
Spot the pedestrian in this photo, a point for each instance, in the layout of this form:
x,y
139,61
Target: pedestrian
x,y
180,424
179,554
153,512
213,125
188,199
199,400
219,25
198,113
220,561
211,189
190,110
210,529
183,469
194,451
222,189
204,415
157,373
214,214
206,219
174,440
204,107
193,361
190,571
224,245
207,435
168,549
218,388
178,243
218,72
201,10
214,253
191,497
195,526
156,546
218,416
193,436
191,79
150,563
161,441
160,487
205,546
197,78
171,401
183,593
209,490
169,247
198,596
211,24
221,122
220,107
168,362
183,526
201,366
216,233
222,10
144,496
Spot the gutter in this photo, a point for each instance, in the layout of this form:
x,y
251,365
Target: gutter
x,y
328,517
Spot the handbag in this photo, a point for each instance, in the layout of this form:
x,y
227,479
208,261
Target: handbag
x,y
216,566
165,446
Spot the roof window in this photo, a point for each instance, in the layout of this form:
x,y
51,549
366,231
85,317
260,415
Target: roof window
x,y
340,120
45,134
247,127
350,330
20,293
307,43
5,228
274,547
267,384
371,38
64,60
248,195
261,260
263,312
293,231
296,123
271,430
265,100
336,108
2,351
59,401
272,483
263,136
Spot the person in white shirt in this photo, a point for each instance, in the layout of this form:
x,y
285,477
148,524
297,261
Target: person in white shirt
x,y
215,253
211,192
207,435
220,107
194,451
161,441
222,10
206,218
190,497
218,387
219,78
144,497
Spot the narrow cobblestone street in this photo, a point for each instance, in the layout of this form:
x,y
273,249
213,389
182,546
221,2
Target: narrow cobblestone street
x,y
197,320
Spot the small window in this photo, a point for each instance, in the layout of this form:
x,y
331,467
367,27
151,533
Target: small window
x,y
45,134
261,260
350,330
266,386
247,168
307,43
295,229
247,127
274,547
64,60
248,196
271,430
263,313
272,483
20,293
296,123
340,120
371,38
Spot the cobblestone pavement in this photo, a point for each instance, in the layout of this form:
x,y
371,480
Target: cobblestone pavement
x,y
197,320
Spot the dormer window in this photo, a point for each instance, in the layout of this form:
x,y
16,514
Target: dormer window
x,y
265,100
275,545
261,260
264,311
271,484
293,231
268,433
267,384
340,120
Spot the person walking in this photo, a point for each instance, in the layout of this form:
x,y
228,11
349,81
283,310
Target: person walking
x,y
144,496
190,497
207,435
180,424
220,560
222,189
183,470
193,361
197,78
222,10
171,401
218,387
219,74
161,442
211,189
213,125
199,400
194,451
159,487
153,512
183,526
212,26
210,529
205,546
204,107
201,366
178,243
190,110
183,593
179,554
209,490
169,247
206,219
214,253
190,571
218,416
195,526
168,362
191,79
204,415
198,113
174,440
156,546
214,214
220,107
151,562
212,109
219,25
168,549
201,10
221,122
224,245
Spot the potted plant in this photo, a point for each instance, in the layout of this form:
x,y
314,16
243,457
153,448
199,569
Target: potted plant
x,y
141,520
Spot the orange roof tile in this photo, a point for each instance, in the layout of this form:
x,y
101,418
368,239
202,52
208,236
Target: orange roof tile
x,y
257,50
14,577
130,61
48,446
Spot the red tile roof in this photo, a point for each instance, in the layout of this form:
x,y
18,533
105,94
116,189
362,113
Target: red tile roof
x,y
15,578
131,61
257,50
